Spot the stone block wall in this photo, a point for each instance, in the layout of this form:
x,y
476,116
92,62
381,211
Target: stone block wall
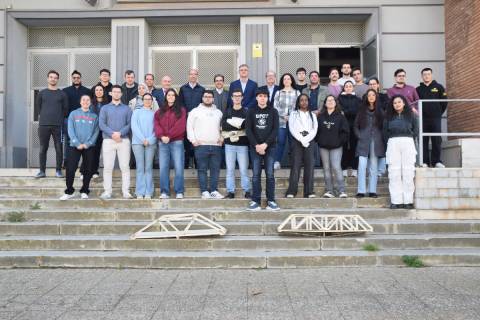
x,y
447,189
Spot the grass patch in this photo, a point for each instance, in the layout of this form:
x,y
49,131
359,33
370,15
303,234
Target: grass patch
x,y
35,206
413,261
16,216
370,247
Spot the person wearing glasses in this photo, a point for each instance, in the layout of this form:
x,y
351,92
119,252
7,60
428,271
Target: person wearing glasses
x,y
402,88
220,94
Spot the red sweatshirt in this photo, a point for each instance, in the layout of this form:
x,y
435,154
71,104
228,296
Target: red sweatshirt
x,y
168,125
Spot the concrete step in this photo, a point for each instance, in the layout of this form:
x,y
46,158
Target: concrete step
x,y
237,228
239,243
191,182
189,203
49,192
252,259
225,214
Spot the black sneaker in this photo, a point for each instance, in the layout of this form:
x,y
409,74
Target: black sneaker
x,y
396,206
248,195
360,195
231,195
373,195
409,206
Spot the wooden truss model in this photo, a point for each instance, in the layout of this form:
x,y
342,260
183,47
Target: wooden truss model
x,y
319,223
180,225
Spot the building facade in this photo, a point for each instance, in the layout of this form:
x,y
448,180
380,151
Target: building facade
x,y
169,37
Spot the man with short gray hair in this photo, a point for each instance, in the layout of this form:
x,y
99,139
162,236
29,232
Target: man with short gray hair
x,y
270,79
248,87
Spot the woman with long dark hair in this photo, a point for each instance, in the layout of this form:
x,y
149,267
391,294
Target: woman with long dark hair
x,y
284,102
303,128
332,134
170,127
400,128
350,105
383,101
370,146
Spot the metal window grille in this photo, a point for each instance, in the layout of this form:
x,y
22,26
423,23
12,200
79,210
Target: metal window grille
x,y
89,64
319,33
195,34
42,63
213,62
288,61
175,63
70,37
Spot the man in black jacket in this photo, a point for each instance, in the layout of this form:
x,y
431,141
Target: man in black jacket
x,y
271,87
129,87
52,105
429,89
262,130
106,84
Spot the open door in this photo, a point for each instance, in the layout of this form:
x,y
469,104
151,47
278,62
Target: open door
x,y
370,54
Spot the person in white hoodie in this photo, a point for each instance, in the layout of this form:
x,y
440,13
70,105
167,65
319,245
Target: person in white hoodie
x,y
303,127
204,132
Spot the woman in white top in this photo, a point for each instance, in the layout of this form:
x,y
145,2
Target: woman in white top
x,y
284,102
303,128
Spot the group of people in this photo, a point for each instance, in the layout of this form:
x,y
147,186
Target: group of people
x,y
349,125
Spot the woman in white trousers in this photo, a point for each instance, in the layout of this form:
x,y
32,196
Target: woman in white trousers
x,y
400,130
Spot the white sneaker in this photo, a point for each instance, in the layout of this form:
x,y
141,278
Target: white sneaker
x,y
95,176
345,173
81,177
343,195
67,197
206,195
290,196
328,194
439,165
127,196
179,196
105,196
147,197
83,196
424,165
164,196
354,173
313,195
216,195
139,197
277,165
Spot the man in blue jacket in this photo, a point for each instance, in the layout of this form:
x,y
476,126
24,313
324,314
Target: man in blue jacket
x,y
248,87
270,79
83,132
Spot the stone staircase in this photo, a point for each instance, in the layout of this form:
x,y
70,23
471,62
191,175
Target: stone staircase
x,y
96,233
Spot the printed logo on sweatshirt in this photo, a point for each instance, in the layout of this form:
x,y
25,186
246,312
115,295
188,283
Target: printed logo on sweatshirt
x,y
328,124
434,90
261,120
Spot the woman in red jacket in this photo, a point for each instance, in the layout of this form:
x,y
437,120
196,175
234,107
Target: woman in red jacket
x,y
170,125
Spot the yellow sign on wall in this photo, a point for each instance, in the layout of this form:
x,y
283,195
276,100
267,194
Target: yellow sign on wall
x,y
257,51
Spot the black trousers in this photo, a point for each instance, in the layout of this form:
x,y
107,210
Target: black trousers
x,y
306,156
348,156
73,158
432,125
97,150
44,133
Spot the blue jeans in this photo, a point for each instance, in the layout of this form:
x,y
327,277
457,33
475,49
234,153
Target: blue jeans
x,y
331,160
372,163
382,165
268,159
208,158
232,155
174,152
144,160
283,135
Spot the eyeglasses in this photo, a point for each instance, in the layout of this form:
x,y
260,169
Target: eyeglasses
x,y
147,99
75,78
236,96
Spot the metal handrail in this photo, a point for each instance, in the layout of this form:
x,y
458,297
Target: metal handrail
x,y
422,134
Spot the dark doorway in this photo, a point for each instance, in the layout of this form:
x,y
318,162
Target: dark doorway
x,y
335,57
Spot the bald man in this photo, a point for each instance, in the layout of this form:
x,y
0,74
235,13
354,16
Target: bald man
x,y
159,94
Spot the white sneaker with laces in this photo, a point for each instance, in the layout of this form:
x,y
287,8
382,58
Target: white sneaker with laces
x,y
179,196
424,165
345,173
328,194
83,196
216,195
311,196
290,196
164,196
127,196
206,195
67,197
105,196
439,165
277,165
95,176
343,195
354,173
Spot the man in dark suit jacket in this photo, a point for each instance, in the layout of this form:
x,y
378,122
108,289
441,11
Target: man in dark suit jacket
x,y
220,94
248,87
159,93
271,87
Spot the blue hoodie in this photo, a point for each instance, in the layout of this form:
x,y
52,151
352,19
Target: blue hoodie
x,y
83,127
142,126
